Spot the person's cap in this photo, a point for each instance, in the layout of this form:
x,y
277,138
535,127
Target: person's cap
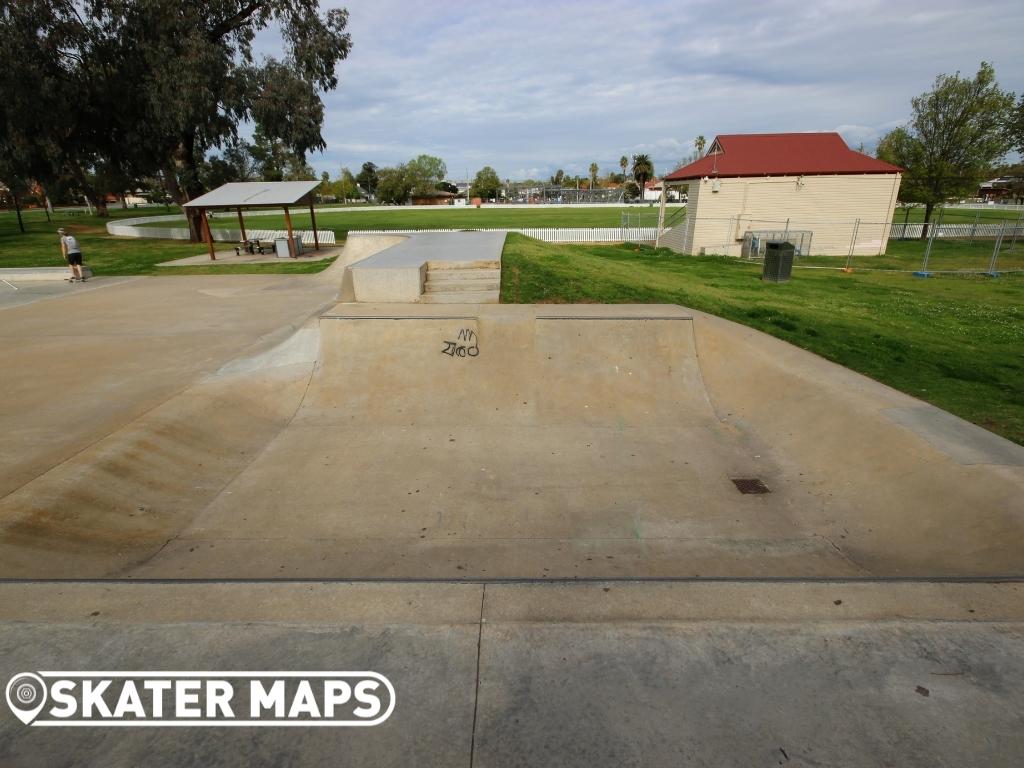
x,y
60,231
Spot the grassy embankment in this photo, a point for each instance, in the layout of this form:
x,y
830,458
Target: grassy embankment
x,y
955,341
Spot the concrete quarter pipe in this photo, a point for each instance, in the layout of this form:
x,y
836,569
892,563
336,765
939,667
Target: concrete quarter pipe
x,y
472,441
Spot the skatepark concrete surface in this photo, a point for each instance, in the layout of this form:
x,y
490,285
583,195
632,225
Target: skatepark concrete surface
x,y
610,674
176,439
525,516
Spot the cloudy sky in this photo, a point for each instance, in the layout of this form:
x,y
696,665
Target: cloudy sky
x,y
529,87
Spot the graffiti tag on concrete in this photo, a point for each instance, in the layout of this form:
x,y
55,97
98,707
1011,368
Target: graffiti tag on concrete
x,y
465,346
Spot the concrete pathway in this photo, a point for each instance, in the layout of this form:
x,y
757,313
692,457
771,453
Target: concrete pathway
x,y
605,674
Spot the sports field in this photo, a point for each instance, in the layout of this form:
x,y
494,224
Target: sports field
x,y
444,217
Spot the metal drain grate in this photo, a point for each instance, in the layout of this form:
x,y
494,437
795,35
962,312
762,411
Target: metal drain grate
x,y
750,485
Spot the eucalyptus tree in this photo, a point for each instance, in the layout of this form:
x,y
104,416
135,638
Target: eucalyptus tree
x,y
119,89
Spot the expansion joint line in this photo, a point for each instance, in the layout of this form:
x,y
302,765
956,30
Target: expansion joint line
x,y
476,695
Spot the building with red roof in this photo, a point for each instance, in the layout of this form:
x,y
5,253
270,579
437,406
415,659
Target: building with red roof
x,y
749,188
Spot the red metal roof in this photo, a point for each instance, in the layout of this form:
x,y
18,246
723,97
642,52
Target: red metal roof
x,y
781,154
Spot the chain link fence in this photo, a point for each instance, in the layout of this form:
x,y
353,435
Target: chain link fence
x,y
954,240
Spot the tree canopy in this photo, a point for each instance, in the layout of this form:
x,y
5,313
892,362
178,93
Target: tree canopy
x,y
643,170
1015,127
367,178
957,130
425,172
393,185
107,91
486,184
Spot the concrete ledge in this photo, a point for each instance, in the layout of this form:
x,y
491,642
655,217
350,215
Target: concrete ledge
x,y
397,273
16,274
389,284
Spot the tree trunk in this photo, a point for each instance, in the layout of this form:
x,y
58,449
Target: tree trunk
x,y
195,224
189,187
171,187
17,207
46,201
928,208
101,207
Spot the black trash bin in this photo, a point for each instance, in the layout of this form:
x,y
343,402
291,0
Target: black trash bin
x,y
778,261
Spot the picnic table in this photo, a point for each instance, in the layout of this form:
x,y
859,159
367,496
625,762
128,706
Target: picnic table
x,y
255,246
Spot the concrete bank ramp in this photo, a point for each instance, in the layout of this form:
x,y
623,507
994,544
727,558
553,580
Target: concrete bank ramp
x,y
499,441
495,441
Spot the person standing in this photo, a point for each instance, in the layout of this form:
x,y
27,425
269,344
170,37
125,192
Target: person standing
x,y
72,253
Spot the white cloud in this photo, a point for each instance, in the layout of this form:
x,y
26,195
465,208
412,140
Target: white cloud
x,y
534,86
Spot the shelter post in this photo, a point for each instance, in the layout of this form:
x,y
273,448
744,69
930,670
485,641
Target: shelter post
x,y
207,234
291,234
312,217
241,224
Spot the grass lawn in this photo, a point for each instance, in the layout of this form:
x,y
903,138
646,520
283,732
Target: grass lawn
x,y
955,341
946,256
40,247
447,217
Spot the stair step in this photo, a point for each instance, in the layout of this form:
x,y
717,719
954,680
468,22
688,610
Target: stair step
x,y
462,266
462,286
464,281
460,297
464,274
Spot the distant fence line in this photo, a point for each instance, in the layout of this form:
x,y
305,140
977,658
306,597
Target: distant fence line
x,y
897,231
987,207
910,231
547,234
326,236
131,228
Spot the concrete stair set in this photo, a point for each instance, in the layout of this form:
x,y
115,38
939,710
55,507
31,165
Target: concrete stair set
x,y
426,267
461,285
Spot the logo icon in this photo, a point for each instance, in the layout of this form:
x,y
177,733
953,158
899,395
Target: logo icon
x,y
26,696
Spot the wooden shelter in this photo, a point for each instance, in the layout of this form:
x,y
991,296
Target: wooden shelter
x,y
257,194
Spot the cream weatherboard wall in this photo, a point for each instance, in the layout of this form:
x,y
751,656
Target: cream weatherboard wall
x,y
827,205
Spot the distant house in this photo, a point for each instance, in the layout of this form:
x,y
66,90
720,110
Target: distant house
x,y
806,187
440,197
1004,189
652,192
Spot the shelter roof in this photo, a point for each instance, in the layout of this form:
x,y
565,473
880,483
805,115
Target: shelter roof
x,y
244,194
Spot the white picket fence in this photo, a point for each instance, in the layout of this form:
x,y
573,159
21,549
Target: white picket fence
x,y
987,207
123,229
550,235
912,231
306,235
